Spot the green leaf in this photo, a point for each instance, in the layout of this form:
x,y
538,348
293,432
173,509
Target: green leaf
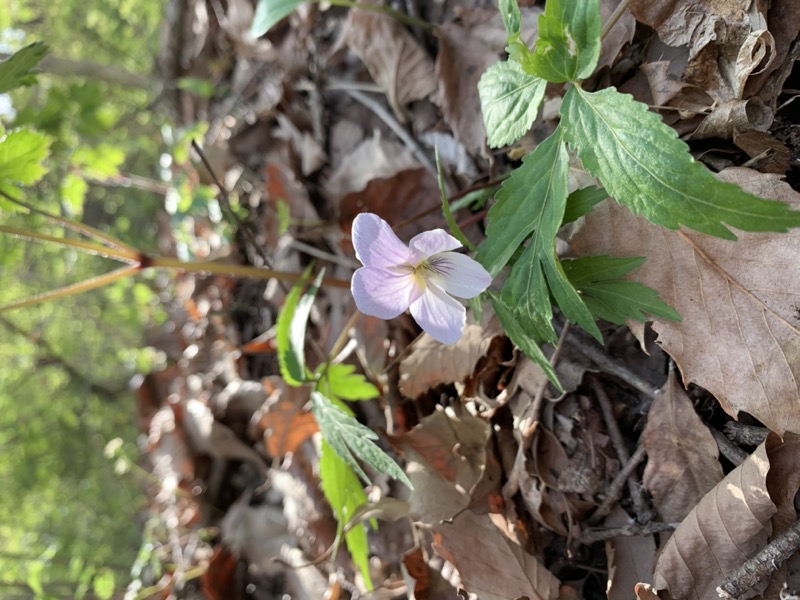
x,y
581,202
532,198
512,20
343,383
269,12
611,298
510,100
21,155
568,47
525,336
348,437
291,330
16,70
344,493
103,584
532,202
642,163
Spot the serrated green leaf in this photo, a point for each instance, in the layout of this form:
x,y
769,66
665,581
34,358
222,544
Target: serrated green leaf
x,y
512,20
348,437
532,198
568,46
269,12
343,383
611,298
532,202
21,155
16,70
291,330
344,493
524,336
510,100
581,202
642,163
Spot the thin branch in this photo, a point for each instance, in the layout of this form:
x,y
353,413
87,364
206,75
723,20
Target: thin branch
x,y
614,492
762,565
619,446
600,534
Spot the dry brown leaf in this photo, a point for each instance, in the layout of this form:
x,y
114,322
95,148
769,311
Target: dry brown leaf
x,y
723,44
618,36
286,426
729,525
431,363
374,158
683,459
739,301
501,569
631,559
394,59
445,459
454,447
783,482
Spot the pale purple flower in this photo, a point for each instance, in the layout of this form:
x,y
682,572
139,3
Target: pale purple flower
x,y
420,277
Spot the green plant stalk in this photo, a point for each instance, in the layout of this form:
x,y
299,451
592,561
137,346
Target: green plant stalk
x,y
120,253
81,228
76,288
384,10
214,268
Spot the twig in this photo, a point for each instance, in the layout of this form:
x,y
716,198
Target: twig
x,y
615,16
728,449
398,129
614,492
599,534
762,565
619,446
608,365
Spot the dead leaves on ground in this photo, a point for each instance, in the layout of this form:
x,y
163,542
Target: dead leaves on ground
x,y
512,482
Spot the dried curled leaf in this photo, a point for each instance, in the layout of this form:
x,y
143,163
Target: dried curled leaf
x,y
729,525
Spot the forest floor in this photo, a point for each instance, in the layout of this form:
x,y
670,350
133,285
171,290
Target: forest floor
x,y
519,491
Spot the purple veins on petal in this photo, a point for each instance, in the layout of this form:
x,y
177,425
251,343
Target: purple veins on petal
x,y
429,243
458,274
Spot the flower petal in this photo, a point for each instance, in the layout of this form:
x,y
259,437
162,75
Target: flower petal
x,y
458,274
381,293
376,244
439,315
429,243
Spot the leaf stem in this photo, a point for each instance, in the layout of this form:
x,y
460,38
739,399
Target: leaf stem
x,y
615,16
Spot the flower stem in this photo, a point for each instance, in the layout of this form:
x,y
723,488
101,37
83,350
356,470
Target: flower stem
x,y
217,268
